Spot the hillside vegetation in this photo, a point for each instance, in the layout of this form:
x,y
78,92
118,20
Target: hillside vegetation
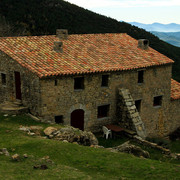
x,y
69,161
39,17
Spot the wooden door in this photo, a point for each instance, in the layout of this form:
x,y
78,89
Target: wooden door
x,y
77,119
18,85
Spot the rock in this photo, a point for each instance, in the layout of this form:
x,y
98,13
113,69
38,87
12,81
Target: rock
x,y
23,128
65,141
73,135
36,129
50,130
31,133
45,157
132,149
4,151
175,156
25,155
75,143
15,157
5,115
43,167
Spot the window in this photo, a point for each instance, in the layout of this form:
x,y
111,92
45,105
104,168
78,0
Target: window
x,y
55,82
104,82
140,76
138,105
103,111
157,101
59,119
79,83
3,78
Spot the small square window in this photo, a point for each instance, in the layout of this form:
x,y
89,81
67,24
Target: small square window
x,y
140,76
103,111
157,101
138,105
79,83
59,119
105,80
3,78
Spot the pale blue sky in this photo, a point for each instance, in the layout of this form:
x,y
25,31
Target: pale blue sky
x,y
143,11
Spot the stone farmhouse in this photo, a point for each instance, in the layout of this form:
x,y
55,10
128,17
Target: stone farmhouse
x,y
91,80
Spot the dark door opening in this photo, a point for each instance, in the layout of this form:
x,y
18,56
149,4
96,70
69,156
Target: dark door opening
x,y
77,119
18,85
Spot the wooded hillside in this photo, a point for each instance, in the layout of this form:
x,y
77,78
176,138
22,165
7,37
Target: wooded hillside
x,y
39,17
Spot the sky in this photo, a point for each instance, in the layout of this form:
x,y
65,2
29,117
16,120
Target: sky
x,y
143,11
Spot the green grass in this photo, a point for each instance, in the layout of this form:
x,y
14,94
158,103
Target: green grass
x,y
155,154
70,161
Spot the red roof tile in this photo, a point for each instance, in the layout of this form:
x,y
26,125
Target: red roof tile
x,y
81,54
175,89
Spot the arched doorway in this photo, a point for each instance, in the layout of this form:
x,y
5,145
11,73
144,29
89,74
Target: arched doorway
x,y
77,119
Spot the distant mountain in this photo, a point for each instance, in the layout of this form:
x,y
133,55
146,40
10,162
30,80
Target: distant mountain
x,y
170,37
172,27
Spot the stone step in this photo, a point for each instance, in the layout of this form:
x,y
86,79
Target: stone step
x,y
13,108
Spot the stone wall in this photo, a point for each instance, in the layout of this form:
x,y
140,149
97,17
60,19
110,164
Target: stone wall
x,y
56,96
173,116
63,99
29,84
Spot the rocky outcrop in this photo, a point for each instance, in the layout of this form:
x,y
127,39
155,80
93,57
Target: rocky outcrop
x,y
132,149
71,134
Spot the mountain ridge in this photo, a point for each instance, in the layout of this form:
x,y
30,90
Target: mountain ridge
x,y
171,27
170,37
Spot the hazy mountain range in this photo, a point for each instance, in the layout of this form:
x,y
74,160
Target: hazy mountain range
x,y
172,27
166,32
170,37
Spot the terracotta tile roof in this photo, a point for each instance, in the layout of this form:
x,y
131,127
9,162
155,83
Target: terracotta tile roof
x,y
175,89
86,53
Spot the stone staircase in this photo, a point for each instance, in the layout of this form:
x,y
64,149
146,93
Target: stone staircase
x,y
128,115
15,107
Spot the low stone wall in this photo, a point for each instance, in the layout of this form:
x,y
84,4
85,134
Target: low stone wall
x,y
153,145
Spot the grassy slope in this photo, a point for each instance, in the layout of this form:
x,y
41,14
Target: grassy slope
x,y
32,17
70,160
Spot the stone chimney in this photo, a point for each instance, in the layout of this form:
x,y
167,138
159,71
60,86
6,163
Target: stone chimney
x,y
62,34
58,46
143,44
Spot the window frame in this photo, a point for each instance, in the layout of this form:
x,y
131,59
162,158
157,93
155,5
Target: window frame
x,y
79,85
105,80
3,79
59,116
157,101
103,111
140,76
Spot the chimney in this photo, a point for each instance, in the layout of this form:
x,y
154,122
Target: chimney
x,y
143,44
58,46
62,33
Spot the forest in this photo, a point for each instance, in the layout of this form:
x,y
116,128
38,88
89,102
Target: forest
x,y
43,17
